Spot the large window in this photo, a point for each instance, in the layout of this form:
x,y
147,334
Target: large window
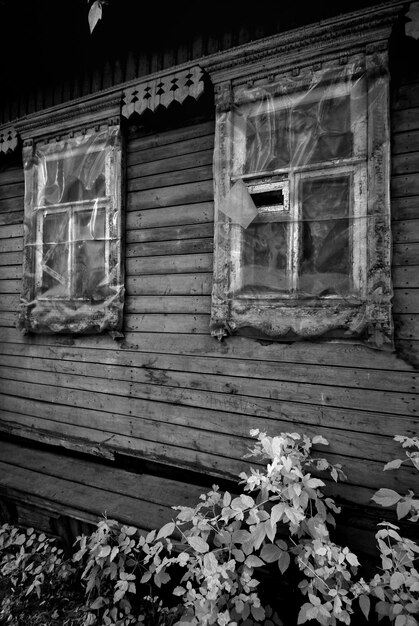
x,y
72,263
299,218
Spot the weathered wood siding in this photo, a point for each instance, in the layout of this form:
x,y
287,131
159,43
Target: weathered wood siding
x,y
169,392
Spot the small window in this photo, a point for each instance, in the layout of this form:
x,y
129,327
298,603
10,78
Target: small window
x,y
72,256
296,237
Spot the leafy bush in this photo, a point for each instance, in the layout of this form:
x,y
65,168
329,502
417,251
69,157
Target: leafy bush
x,y
32,565
210,560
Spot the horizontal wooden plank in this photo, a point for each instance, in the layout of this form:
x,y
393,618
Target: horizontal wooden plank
x,y
143,447
10,258
187,193
12,190
8,318
405,142
171,164
405,254
15,230
153,420
146,487
11,217
11,271
218,465
407,326
169,264
14,244
171,233
178,177
405,276
166,304
406,301
20,355
406,231
353,354
176,136
405,185
12,205
195,213
11,175
167,323
173,284
10,286
405,163
405,208
406,96
95,501
243,395
9,302
405,120
168,248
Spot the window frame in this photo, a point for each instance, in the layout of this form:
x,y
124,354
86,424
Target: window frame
x,y
71,312
365,314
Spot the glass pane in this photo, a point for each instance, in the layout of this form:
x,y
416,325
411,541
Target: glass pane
x,y
72,178
90,224
55,279
90,279
325,256
264,257
292,137
55,228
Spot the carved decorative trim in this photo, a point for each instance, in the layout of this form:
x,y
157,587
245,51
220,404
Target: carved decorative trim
x,y
73,117
8,139
308,45
162,91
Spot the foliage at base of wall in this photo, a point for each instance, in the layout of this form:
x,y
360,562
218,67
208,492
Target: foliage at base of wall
x,y
205,567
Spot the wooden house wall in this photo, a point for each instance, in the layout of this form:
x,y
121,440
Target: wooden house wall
x,y
170,393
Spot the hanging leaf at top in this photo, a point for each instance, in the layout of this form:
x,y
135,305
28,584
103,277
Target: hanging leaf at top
x,y
95,14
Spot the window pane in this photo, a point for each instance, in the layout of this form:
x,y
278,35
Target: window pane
x,y
90,224
264,257
90,279
55,278
75,177
325,258
299,135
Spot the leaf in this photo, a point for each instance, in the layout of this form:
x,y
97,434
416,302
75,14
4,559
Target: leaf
x,y
210,563
277,512
403,508
352,559
365,605
166,530
105,551
254,561
393,464
302,615
95,14
396,580
98,603
313,483
270,553
198,544
179,591
145,577
386,497
320,439
284,561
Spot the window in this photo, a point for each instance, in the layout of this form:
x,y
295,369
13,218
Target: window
x,y
302,215
72,261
